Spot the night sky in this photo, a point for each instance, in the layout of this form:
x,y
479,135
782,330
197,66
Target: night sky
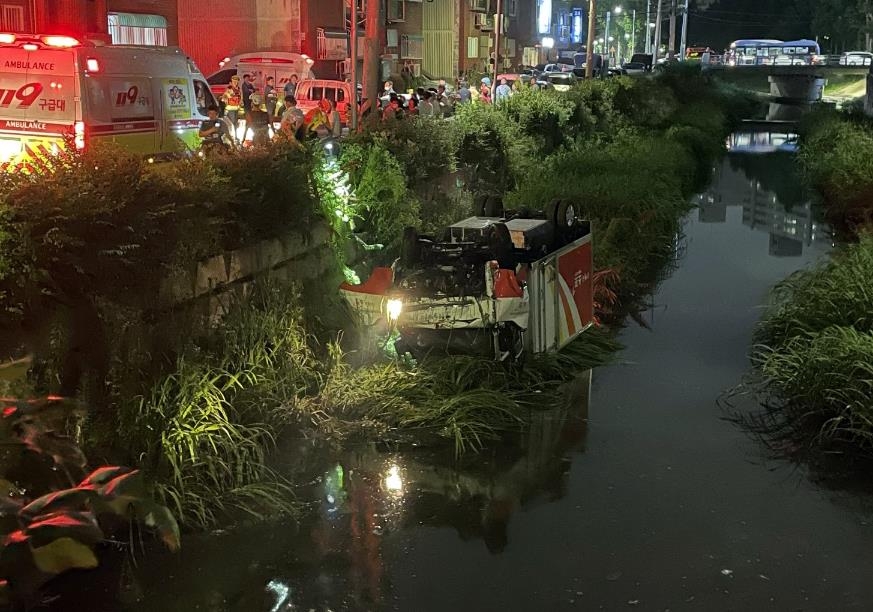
x,y
715,23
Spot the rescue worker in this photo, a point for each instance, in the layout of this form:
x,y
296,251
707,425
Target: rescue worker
x,y
214,132
258,120
317,121
232,99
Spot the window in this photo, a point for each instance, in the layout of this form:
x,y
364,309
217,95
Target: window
x,y
11,18
222,77
204,96
137,29
411,46
396,10
512,7
479,6
472,47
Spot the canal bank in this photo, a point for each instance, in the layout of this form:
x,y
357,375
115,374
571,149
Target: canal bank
x,y
646,498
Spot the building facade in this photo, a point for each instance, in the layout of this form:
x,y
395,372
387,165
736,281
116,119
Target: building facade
x,y
439,38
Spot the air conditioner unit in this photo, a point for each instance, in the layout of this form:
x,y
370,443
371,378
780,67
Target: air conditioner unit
x,y
484,21
479,6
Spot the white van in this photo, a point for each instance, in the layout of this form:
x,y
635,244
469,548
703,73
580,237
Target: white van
x,y
277,64
56,89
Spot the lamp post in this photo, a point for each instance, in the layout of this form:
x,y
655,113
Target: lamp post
x,y
633,36
617,11
647,48
657,41
684,36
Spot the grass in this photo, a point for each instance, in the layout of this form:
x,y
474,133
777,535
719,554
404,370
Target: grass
x,y
834,157
814,351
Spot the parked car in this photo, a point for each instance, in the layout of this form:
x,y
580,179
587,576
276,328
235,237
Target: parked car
x,y
634,68
856,58
562,81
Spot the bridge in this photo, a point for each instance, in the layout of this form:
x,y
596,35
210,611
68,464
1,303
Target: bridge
x,y
805,83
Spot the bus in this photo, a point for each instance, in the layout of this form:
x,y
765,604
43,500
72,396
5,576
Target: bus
x,y
771,52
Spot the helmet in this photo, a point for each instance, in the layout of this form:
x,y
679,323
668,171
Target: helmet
x,y
486,81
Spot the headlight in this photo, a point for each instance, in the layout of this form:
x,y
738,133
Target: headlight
x,y
393,309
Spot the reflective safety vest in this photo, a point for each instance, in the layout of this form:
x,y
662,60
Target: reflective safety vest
x,y
232,98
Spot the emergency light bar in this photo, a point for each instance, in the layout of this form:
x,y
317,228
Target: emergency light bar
x,y
31,43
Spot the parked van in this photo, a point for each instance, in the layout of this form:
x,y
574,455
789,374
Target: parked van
x,y
56,89
277,64
311,91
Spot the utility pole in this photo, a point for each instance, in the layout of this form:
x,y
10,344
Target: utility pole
x,y
633,48
498,24
589,47
648,47
606,37
671,50
374,35
657,42
683,45
353,54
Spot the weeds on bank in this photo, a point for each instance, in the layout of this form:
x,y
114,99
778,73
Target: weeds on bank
x,y
814,350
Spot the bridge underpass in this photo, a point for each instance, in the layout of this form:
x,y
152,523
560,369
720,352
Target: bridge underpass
x,y
805,83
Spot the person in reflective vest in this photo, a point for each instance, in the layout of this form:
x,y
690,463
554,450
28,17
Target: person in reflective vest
x,y
232,99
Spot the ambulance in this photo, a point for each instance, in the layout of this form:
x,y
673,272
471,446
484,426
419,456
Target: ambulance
x,y
57,91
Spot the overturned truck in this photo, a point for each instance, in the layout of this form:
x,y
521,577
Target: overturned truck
x,y
501,286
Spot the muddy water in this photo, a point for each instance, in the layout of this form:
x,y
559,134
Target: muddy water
x,y
637,495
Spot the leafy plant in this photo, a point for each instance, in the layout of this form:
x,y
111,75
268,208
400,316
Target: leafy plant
x,y
62,529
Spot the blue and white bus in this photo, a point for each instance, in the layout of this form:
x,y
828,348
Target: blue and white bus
x,y
771,52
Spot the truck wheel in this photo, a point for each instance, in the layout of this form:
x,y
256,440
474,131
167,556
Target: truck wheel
x,y
500,242
410,250
488,206
565,215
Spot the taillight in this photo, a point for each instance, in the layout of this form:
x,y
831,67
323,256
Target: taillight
x,y
79,135
60,41
6,38
92,65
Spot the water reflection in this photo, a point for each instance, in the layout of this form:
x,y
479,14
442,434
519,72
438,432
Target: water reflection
x,y
366,502
769,190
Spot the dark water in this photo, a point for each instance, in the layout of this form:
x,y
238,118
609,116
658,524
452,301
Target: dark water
x,y
642,497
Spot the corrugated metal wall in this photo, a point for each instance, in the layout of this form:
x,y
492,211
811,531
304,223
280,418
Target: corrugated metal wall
x,y
440,38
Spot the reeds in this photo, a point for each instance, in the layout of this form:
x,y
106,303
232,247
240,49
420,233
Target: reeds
x,y
814,350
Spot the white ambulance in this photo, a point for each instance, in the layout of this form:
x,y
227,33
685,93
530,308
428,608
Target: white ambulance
x,y
56,90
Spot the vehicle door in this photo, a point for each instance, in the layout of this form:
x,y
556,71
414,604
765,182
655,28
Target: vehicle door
x,y
38,104
122,109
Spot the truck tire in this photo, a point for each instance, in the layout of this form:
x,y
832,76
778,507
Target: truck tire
x,y
500,241
410,250
488,206
565,215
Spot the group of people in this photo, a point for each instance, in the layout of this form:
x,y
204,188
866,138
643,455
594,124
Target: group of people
x,y
438,102
261,110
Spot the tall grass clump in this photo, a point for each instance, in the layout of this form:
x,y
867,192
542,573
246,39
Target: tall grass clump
x,y
835,158
814,351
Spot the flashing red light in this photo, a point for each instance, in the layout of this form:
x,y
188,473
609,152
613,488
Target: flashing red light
x,y
64,42
6,38
92,65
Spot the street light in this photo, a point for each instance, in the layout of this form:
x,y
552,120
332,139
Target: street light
x,y
617,11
